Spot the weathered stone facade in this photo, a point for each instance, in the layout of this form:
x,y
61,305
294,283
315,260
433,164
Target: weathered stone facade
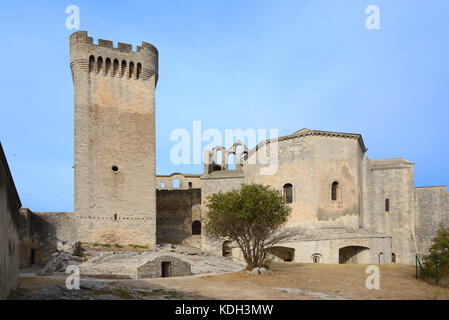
x,y
115,169
178,211
349,208
44,233
9,231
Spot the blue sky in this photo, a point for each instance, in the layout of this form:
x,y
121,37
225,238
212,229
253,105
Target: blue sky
x,y
234,64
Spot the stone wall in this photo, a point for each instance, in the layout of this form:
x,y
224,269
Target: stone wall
x,y
432,209
44,233
176,210
9,231
178,181
393,179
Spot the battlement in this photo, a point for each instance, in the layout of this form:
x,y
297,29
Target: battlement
x,y
81,38
117,62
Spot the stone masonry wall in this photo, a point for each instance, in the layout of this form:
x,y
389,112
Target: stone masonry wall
x,y
175,214
432,209
9,231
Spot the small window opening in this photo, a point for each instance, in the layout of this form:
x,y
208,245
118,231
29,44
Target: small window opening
x,y
288,193
115,216
190,185
387,205
335,191
114,168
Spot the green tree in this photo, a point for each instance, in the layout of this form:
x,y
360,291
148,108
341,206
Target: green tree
x,y
253,217
440,247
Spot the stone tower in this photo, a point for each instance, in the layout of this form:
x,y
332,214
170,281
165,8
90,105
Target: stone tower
x,y
115,166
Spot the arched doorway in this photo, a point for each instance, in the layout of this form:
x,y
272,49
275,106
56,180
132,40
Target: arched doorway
x,y
353,255
285,253
196,227
226,249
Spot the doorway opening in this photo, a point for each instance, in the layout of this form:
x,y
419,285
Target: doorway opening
x,y
166,269
33,256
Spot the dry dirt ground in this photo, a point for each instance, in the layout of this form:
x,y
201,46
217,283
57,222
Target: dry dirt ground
x,y
286,281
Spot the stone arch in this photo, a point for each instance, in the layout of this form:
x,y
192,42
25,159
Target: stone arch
x,y
231,162
226,249
115,67
239,150
99,65
287,254
131,70
91,63
108,66
139,71
353,255
316,258
123,69
219,164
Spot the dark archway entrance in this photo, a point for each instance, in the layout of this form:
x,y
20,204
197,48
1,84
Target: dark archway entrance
x,y
166,269
196,227
285,253
353,255
226,249
33,256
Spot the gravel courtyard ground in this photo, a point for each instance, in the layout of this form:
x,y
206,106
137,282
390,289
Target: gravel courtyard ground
x,y
287,281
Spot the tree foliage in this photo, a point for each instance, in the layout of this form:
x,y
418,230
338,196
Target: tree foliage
x,y
253,217
440,247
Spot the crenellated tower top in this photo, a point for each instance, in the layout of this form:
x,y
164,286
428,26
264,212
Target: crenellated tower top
x,y
106,60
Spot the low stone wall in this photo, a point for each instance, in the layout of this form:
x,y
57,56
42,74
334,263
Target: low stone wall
x,y
153,269
132,265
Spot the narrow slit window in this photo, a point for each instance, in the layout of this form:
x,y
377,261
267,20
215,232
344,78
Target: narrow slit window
x,y
387,205
335,191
